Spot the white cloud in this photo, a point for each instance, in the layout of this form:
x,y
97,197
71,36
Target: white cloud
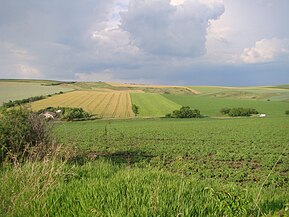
x,y
162,29
26,71
114,42
267,50
177,2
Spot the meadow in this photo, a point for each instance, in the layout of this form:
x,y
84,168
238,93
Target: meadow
x,y
211,106
278,93
14,90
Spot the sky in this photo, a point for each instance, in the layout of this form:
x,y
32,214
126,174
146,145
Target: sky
x,y
179,42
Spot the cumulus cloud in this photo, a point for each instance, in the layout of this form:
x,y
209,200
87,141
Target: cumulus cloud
x,y
146,41
267,50
161,28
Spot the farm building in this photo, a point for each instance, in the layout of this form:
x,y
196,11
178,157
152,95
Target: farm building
x,y
49,115
262,115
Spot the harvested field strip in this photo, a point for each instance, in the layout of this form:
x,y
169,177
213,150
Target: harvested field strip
x,y
117,106
128,107
72,101
86,102
103,104
82,100
97,101
106,104
125,109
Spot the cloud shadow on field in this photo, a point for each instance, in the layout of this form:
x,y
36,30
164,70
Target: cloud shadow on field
x,y
119,157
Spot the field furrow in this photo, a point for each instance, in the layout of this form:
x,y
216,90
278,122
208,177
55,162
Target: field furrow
x,y
129,112
117,106
98,99
105,105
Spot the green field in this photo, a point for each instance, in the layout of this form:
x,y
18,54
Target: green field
x,y
153,105
238,150
203,167
12,90
212,166
211,106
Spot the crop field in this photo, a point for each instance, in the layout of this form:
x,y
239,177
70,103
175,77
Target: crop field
x,y
195,167
153,105
19,90
238,150
211,106
101,104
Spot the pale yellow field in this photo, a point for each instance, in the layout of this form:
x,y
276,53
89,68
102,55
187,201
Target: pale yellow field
x,y
115,84
115,104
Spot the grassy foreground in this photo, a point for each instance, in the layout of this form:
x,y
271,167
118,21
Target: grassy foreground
x,y
102,188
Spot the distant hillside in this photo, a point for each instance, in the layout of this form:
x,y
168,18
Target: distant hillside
x,y
15,89
283,86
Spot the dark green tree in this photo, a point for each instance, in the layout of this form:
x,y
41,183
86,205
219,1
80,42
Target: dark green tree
x,y
185,112
135,109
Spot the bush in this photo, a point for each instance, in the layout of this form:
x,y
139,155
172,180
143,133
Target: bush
x,y
22,134
185,112
287,112
236,112
22,101
225,111
75,114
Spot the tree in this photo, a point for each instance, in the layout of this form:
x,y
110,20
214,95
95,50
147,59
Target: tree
x,y
74,114
185,112
235,112
135,109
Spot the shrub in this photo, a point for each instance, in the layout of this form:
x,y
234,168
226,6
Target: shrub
x,y
22,101
185,112
169,115
225,111
235,112
287,112
22,134
75,114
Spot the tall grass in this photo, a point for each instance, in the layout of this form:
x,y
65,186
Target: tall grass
x,y
102,188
